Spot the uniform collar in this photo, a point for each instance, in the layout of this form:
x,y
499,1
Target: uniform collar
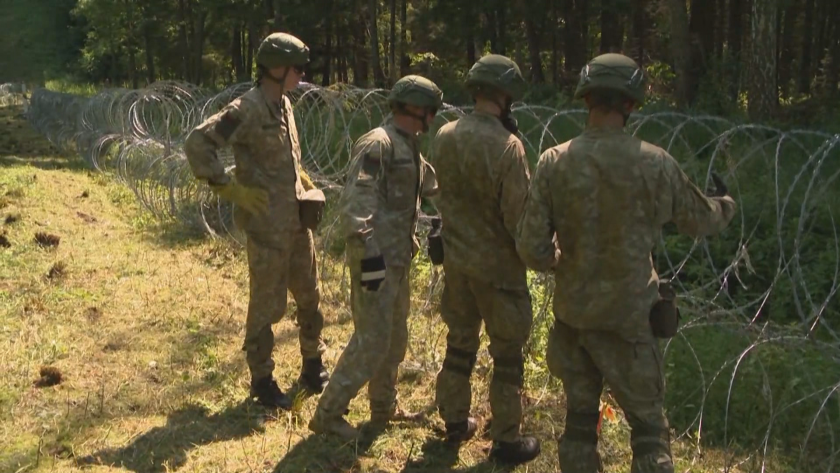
x,y
276,107
411,139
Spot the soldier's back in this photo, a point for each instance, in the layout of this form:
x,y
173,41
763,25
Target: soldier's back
x,y
482,175
605,186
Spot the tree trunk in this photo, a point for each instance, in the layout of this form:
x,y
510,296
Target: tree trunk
x,y
681,51
735,42
405,59
720,28
806,67
236,54
392,58
278,16
148,43
249,60
611,34
198,47
469,33
575,45
640,30
763,94
373,30
182,39
360,55
328,51
702,40
501,25
491,31
537,76
791,15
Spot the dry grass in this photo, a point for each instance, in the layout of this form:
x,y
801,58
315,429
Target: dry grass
x,y
145,334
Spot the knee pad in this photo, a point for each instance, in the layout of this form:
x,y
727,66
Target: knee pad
x,y
459,361
651,446
509,370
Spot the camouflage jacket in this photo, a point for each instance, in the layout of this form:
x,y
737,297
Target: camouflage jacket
x,y
266,151
381,199
606,196
483,177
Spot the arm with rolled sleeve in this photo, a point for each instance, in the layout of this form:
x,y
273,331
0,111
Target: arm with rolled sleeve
x,y
535,244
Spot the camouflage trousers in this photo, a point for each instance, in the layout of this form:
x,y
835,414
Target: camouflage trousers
x,y
583,360
377,346
273,271
507,317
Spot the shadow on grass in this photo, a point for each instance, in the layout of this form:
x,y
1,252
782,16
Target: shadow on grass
x,y
319,453
166,448
441,456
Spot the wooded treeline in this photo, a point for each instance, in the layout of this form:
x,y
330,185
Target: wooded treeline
x,y
709,54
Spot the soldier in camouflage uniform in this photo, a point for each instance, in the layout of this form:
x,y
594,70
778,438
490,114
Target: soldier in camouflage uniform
x,y
605,196
380,205
269,188
483,177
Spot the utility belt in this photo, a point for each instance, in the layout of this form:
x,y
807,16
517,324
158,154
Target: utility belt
x,y
665,315
311,208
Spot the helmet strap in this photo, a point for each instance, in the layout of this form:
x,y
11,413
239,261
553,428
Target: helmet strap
x,y
507,120
403,110
281,81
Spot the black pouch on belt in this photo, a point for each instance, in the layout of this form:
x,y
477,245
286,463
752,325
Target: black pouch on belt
x,y
435,242
665,315
311,206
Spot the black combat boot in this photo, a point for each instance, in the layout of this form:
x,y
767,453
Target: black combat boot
x,y
461,431
313,375
269,394
520,451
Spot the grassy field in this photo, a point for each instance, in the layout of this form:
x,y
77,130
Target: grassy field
x,y
120,348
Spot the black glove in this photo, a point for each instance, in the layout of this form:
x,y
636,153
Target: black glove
x,y
373,266
720,187
435,242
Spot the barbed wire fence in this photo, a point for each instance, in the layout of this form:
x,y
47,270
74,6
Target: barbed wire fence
x,y
739,379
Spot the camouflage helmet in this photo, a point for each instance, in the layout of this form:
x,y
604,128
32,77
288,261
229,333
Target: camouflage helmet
x,y
499,72
282,49
416,90
615,72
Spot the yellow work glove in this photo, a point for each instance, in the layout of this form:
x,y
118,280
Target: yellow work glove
x,y
308,185
254,200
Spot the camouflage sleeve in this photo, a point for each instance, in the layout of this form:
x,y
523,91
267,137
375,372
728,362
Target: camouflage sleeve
x,y
694,213
429,186
535,244
218,131
514,183
361,196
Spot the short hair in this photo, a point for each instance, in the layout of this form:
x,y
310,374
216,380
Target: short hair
x,y
608,99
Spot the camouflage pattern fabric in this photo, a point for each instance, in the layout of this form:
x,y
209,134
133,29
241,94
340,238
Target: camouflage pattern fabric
x,y
377,346
602,198
507,316
266,151
483,179
272,272
380,202
583,360
281,253
388,177
606,195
